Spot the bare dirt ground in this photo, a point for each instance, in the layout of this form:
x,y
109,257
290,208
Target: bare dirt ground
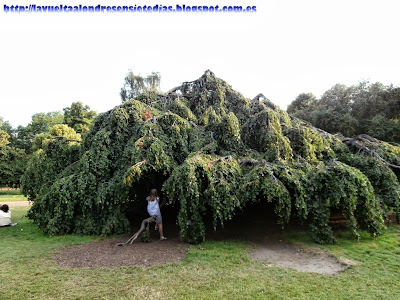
x,y
107,254
266,239
269,245
296,256
19,203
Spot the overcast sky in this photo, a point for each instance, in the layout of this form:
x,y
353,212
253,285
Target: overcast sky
x,y
49,61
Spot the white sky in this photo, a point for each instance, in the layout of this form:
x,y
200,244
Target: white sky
x,y
288,47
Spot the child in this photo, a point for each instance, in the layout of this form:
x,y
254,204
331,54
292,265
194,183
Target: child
x,y
5,216
153,208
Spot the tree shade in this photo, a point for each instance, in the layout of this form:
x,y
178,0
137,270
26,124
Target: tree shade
x,y
214,153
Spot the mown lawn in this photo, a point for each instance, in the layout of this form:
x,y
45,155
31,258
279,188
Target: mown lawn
x,y
212,270
11,196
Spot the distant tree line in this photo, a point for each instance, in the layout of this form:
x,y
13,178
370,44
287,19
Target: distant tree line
x,y
18,144
370,108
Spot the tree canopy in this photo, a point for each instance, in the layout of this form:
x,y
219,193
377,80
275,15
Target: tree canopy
x,y
369,108
12,160
24,140
4,136
214,153
134,85
79,117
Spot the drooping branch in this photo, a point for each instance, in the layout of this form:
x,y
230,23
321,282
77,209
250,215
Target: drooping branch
x,y
224,158
251,161
364,149
65,139
258,97
174,90
72,165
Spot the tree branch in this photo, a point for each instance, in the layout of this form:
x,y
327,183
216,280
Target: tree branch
x,y
143,226
364,149
65,139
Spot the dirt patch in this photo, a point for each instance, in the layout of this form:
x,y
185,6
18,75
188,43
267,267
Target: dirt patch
x,y
298,257
107,254
270,245
19,203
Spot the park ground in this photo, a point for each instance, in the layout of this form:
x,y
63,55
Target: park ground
x,y
229,265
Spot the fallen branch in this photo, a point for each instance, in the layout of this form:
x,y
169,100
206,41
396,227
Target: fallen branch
x,y
143,226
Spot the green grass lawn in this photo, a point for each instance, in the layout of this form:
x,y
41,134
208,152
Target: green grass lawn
x,y
11,196
212,270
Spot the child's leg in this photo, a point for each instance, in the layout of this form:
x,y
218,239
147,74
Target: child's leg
x,y
160,229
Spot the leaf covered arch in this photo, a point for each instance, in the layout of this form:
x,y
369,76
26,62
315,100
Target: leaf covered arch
x,y
216,152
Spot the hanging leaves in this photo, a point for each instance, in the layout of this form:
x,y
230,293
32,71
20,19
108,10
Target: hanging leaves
x,y
216,153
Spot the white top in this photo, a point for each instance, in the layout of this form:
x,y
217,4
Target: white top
x,y
152,207
5,218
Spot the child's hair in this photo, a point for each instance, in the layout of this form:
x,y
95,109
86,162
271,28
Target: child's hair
x,y
153,193
4,208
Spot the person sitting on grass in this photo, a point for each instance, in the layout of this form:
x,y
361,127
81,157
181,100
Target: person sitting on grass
x,y
5,216
153,208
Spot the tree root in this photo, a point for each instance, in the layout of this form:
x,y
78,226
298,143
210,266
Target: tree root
x,y
145,224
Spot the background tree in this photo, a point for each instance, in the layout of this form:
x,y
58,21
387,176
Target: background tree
x,y
41,123
24,140
134,85
12,166
4,136
364,108
58,131
5,132
79,117
303,106
12,160
6,126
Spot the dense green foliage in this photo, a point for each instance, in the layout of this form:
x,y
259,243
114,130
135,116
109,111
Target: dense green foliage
x,y
12,166
23,136
4,136
23,141
214,153
79,117
365,108
12,161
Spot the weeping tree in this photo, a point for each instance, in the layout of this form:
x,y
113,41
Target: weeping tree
x,y
214,153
